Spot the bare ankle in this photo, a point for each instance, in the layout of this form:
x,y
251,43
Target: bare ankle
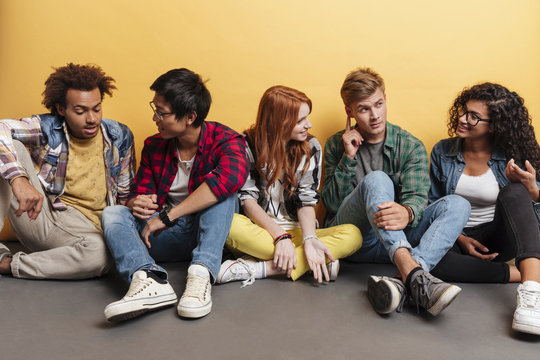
x,y
515,275
404,262
271,269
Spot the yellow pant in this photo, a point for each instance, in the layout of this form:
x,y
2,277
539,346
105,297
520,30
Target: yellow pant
x,y
251,239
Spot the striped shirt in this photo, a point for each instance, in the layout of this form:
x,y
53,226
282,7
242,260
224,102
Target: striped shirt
x,y
278,203
405,161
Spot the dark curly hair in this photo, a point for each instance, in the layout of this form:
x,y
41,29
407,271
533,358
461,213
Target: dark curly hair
x,y
74,76
510,121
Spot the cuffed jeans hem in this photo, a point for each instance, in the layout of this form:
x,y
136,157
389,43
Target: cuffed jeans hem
x,y
398,245
405,244
422,263
524,256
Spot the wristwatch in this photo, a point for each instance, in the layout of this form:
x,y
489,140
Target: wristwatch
x,y
164,217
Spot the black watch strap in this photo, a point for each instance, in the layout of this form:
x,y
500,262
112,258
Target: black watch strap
x,y
164,217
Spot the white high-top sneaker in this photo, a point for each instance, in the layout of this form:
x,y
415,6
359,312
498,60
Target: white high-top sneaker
x,y
527,314
196,301
146,292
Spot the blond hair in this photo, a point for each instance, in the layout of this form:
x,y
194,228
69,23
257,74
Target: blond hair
x,y
359,84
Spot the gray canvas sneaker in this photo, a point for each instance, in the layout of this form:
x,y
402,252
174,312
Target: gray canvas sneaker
x,y
4,251
386,294
431,293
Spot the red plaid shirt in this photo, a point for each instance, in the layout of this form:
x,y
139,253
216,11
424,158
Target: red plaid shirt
x,y
220,161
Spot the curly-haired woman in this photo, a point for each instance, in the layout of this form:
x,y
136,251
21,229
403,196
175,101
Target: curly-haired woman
x,y
279,232
491,161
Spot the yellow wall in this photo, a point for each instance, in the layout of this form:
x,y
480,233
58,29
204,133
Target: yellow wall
x,y
426,50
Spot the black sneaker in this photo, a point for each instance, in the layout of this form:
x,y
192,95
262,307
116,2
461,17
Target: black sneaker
x,y
431,293
386,294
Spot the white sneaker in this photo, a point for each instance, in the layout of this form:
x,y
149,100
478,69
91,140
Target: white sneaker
x,y
333,269
146,292
4,252
236,270
527,314
196,301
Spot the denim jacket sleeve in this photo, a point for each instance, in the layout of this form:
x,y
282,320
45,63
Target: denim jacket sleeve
x,y
436,190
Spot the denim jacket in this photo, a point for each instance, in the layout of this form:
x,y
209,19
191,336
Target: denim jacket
x,y
447,165
47,139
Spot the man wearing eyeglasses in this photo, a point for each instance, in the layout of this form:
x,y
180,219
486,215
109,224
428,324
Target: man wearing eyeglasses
x,y
181,204
58,172
377,179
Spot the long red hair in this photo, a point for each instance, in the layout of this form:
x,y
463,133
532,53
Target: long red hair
x,y
271,136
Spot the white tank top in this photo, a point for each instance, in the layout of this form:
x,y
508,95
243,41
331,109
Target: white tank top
x,y
481,191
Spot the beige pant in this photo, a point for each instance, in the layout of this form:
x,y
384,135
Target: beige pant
x,y
64,244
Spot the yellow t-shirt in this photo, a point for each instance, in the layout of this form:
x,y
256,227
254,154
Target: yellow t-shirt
x,y
86,187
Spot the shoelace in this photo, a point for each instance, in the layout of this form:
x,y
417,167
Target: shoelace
x,y
195,287
137,286
250,271
529,299
422,289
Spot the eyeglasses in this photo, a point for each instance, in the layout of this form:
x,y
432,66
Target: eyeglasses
x,y
472,118
160,115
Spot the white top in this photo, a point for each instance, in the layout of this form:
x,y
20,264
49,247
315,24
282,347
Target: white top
x,y
179,188
481,191
276,208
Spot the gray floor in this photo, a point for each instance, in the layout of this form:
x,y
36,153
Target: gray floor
x,y
272,319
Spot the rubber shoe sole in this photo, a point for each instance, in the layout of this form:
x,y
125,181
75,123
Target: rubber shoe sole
x,y
224,269
444,300
383,295
129,310
194,312
525,328
333,270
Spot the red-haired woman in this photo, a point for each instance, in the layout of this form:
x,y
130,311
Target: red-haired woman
x,y
279,232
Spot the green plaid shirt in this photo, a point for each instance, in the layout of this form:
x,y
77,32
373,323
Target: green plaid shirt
x,y
405,161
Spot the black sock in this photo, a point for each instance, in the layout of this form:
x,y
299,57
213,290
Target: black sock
x,y
156,277
409,277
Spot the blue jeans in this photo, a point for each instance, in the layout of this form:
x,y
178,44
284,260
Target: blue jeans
x,y
199,237
428,242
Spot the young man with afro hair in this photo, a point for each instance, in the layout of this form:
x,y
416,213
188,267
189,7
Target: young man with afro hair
x,y
58,172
